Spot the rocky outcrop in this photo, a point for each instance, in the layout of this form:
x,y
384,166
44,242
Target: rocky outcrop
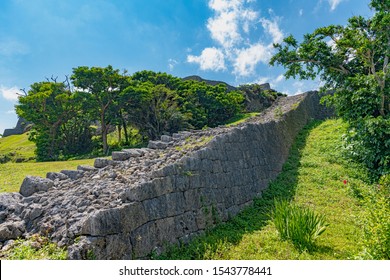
x,y
142,199
19,129
209,82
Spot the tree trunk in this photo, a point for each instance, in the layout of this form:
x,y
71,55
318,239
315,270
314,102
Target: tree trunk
x,y
104,134
126,134
119,133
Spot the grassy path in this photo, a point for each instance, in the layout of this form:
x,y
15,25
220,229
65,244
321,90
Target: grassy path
x,y
316,176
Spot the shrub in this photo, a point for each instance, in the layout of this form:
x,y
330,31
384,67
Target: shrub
x,y
300,225
376,222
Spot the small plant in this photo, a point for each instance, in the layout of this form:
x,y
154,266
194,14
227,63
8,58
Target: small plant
x,y
300,225
278,112
188,173
295,106
35,248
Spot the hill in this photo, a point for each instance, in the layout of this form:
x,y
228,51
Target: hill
x,y
16,148
209,82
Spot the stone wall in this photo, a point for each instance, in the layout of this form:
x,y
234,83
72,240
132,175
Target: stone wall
x,y
143,199
19,129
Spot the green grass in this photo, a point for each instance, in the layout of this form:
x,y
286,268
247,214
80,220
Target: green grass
x,y
313,178
34,248
12,174
17,146
240,118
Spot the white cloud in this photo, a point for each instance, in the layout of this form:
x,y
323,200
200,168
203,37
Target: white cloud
x,y
334,3
272,28
12,47
301,12
230,28
11,112
231,17
224,29
247,59
172,63
272,81
10,94
279,79
210,59
261,80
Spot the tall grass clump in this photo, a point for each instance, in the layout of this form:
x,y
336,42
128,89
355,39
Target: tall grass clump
x,y
300,225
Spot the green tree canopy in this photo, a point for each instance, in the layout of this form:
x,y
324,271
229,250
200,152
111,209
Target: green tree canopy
x,y
352,61
59,123
102,85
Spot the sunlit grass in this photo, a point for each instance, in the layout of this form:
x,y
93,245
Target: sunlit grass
x,y
240,118
12,174
18,146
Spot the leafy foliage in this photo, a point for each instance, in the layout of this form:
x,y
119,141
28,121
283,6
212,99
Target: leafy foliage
x,y
57,115
375,221
353,61
101,88
152,103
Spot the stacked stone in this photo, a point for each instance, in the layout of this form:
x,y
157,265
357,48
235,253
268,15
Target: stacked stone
x,y
141,199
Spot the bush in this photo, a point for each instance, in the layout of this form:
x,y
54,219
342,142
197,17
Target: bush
x,y
368,141
376,222
300,225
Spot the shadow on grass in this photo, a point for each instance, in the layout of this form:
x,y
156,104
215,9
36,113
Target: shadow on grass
x,y
252,218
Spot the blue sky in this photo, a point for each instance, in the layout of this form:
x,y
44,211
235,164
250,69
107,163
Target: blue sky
x,y
228,40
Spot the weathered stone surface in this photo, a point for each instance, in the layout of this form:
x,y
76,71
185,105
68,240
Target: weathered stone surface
x,y
73,174
157,145
11,230
113,221
56,175
134,152
102,162
86,168
166,138
19,129
177,136
31,213
32,184
121,156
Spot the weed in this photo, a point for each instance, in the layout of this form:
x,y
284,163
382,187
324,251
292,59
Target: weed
x,y
278,112
35,248
188,173
295,106
300,225
91,255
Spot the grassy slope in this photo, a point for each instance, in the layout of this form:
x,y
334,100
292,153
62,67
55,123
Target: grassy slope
x,y
18,144
12,174
313,176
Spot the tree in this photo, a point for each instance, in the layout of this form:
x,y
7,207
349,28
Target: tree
x,y
153,109
59,122
102,85
353,61
208,105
